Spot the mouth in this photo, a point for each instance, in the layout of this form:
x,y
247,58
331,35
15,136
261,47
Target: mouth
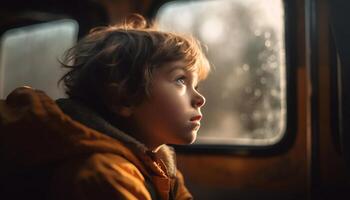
x,y
195,122
196,118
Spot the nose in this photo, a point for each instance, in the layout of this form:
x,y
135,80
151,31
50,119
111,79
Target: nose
x,y
198,100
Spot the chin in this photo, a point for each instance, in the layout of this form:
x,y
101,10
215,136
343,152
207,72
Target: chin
x,y
190,139
194,137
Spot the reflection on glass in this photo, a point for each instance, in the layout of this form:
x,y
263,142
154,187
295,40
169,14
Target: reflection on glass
x,y
246,91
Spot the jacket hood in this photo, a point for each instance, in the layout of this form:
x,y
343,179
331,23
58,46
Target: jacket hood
x,y
37,131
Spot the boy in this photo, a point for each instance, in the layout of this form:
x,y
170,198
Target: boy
x,y
132,89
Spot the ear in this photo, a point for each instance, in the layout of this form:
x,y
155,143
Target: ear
x,y
125,111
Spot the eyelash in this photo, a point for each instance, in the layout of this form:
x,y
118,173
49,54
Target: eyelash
x,y
183,78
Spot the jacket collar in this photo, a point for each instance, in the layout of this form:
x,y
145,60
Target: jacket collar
x,y
162,163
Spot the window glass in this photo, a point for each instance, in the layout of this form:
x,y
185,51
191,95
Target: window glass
x,y
29,56
246,90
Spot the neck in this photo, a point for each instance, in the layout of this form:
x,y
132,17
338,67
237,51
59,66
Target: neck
x,y
132,129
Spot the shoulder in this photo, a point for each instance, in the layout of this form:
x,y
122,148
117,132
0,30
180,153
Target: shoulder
x,y
99,176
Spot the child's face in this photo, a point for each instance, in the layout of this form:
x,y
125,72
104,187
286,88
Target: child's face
x,y
172,114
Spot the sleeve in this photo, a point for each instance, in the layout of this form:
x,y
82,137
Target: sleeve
x,y
98,179
181,192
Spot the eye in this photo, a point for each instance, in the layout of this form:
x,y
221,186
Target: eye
x,y
181,80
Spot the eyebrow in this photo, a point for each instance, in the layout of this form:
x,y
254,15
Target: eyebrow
x,y
177,67
180,67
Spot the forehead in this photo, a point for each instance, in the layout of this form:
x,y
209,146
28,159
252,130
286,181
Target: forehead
x,y
180,66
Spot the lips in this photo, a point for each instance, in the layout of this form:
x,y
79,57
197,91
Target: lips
x,y
196,118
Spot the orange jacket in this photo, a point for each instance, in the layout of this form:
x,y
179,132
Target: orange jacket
x,y
47,153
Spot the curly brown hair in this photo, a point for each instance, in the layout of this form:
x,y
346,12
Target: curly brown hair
x,y
114,64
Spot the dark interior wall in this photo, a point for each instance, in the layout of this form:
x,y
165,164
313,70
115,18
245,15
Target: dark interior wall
x,y
19,12
88,13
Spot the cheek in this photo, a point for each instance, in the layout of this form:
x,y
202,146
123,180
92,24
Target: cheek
x,y
167,115
171,101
